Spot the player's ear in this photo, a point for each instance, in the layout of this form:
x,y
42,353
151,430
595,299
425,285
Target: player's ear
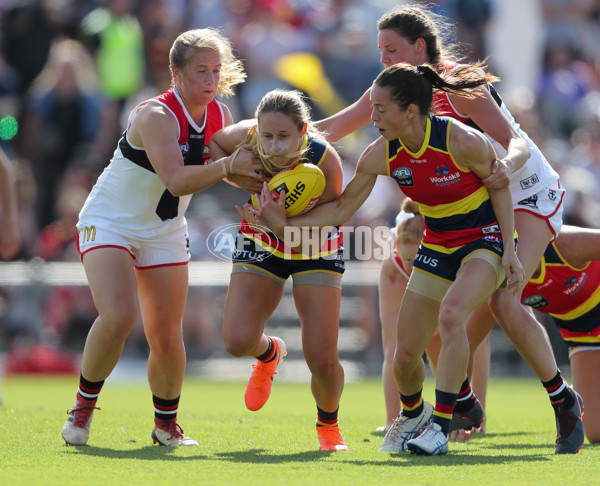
x,y
304,129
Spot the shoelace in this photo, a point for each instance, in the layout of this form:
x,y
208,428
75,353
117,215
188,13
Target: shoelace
x,y
81,415
394,430
172,428
261,374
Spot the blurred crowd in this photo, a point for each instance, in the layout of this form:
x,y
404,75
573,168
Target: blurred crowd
x,y
71,70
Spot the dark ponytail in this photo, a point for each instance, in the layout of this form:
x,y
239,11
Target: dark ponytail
x,y
415,84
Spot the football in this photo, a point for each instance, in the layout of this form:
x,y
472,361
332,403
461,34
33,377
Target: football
x,y
303,185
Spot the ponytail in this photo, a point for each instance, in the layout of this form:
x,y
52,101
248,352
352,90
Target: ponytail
x,y
415,84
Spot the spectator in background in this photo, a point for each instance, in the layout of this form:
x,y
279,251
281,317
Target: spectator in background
x,y
566,78
64,119
115,38
28,29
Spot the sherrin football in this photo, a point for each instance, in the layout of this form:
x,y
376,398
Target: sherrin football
x,y
303,185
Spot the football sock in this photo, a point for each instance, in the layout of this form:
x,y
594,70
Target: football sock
x,y
165,409
270,353
559,392
466,398
327,419
412,405
89,390
444,408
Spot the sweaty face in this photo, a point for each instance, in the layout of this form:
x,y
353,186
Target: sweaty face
x,y
395,49
279,136
200,78
387,116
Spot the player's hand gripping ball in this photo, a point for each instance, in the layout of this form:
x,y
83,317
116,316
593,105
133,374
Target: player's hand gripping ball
x,y
303,185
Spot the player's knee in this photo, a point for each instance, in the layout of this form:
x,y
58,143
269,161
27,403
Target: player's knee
x,y
502,303
166,345
405,358
119,316
323,367
237,346
451,317
117,323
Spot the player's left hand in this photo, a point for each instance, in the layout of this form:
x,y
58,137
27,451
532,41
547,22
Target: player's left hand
x,y
500,176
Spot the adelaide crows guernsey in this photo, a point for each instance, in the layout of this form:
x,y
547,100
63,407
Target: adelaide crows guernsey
x,y
453,201
535,175
571,296
315,151
129,195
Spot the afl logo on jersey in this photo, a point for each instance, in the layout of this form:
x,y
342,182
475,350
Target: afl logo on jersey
x,y
403,176
184,147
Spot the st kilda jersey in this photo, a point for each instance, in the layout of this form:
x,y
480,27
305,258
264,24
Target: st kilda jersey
x,y
535,175
453,201
130,194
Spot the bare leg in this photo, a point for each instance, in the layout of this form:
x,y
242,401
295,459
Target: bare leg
x,y
319,310
527,335
585,370
162,293
392,285
251,299
112,282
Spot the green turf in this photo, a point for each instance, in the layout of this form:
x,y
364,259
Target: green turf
x,y
277,445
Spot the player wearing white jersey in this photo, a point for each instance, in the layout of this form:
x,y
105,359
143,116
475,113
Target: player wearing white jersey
x,y
133,234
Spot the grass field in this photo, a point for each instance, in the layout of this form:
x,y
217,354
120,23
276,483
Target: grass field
x,y
277,445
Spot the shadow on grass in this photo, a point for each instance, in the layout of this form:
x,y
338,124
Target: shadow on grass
x,y
399,459
148,453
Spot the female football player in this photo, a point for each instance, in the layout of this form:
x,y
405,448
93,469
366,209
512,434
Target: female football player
x,y
282,135
414,34
467,251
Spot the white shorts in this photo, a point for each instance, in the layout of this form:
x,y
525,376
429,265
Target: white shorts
x,y
171,248
546,204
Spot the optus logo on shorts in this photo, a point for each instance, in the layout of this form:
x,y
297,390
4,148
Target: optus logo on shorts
x,y
226,242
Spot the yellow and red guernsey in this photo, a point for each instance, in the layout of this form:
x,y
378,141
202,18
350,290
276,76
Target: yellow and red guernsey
x,y
453,201
570,295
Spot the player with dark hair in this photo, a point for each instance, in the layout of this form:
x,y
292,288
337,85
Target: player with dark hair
x,y
415,35
394,274
467,251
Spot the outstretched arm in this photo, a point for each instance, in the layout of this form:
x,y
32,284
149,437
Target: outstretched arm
x,y
370,165
348,120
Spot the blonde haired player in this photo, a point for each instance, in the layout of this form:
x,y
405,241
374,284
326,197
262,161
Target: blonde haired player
x,y
282,135
133,234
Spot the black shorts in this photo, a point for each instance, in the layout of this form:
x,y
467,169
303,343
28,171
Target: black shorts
x,y
250,258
